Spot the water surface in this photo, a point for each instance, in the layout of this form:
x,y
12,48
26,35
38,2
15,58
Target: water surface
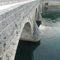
x,y
49,48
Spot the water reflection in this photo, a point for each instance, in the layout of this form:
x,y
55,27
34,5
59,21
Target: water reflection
x,y
50,41
25,50
49,49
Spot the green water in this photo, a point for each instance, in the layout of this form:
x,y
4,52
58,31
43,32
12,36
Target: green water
x,y
49,47
51,12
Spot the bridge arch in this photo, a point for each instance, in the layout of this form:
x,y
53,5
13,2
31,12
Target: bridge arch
x,y
25,36
38,16
26,32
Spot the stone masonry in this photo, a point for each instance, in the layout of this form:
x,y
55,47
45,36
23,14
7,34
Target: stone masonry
x,y
17,22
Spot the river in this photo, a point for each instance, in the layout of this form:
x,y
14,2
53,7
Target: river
x,y
49,47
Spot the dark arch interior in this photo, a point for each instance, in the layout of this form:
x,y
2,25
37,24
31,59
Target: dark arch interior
x,y
38,22
25,50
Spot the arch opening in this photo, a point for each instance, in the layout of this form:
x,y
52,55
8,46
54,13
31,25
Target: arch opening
x,y
37,17
24,40
26,32
25,47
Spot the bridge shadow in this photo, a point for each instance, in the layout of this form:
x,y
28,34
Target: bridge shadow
x,y
25,50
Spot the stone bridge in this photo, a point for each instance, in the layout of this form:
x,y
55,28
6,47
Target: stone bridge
x,y
18,22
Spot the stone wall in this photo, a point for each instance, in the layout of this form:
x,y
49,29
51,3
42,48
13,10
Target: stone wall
x,y
12,21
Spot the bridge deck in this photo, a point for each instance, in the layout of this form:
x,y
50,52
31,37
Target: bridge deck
x,y
5,2
5,8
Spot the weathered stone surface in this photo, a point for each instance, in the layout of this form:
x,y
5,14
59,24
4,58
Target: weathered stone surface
x,y
17,23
